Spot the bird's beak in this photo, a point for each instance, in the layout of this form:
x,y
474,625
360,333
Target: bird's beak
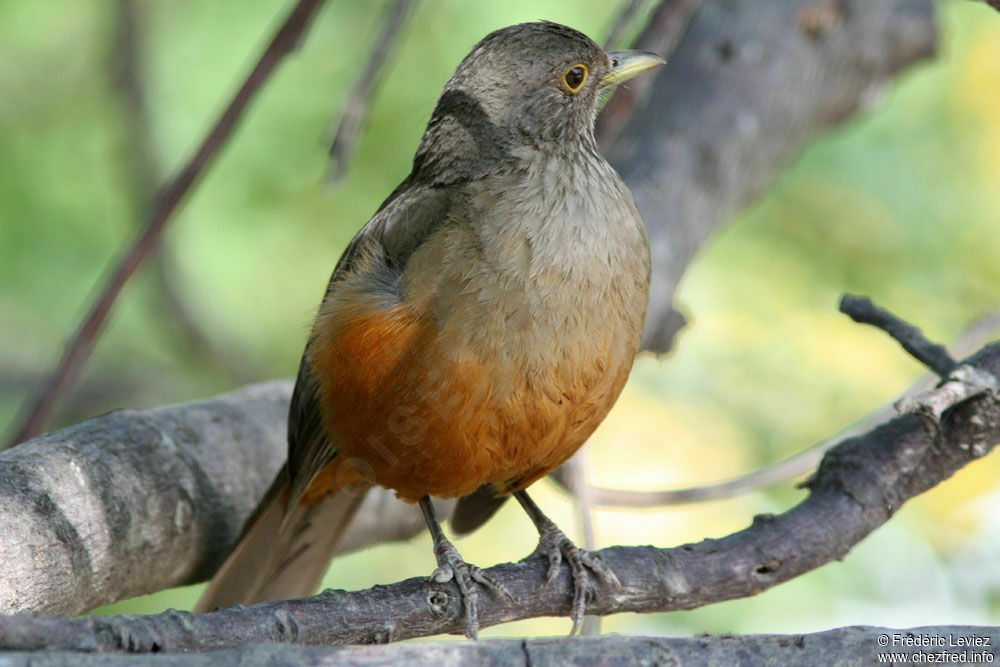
x,y
627,64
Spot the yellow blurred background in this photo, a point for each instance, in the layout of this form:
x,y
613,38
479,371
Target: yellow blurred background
x,y
902,203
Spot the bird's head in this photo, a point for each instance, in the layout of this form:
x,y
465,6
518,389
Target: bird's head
x,y
532,84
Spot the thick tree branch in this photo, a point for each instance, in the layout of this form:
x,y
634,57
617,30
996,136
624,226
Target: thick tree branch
x,y
747,88
137,501
661,35
858,486
851,646
133,501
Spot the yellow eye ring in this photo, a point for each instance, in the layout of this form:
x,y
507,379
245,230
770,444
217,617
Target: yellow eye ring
x,y
574,77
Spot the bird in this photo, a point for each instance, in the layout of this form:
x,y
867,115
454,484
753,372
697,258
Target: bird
x,y
475,331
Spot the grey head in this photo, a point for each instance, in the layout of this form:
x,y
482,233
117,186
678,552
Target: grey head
x,y
535,84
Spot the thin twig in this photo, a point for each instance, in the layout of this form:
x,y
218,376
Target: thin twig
x,y
104,385
934,356
359,102
977,332
792,467
79,347
128,81
625,17
963,383
141,174
778,473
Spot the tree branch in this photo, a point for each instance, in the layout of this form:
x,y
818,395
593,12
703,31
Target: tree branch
x,y
624,19
137,501
666,27
932,355
358,104
795,465
858,486
851,646
747,88
140,176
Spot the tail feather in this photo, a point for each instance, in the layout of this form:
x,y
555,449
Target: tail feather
x,y
475,509
284,551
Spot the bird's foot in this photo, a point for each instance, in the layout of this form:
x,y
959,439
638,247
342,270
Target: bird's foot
x,y
466,576
554,545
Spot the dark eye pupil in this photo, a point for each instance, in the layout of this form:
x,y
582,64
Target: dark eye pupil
x,y
574,77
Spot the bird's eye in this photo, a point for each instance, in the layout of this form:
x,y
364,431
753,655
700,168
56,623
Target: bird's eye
x,y
574,77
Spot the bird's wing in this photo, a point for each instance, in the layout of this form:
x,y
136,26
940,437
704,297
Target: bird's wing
x,y
399,227
403,222
286,546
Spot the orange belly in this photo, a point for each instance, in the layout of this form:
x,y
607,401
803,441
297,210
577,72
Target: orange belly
x,y
422,417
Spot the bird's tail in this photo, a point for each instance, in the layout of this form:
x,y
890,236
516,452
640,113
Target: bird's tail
x,y
284,551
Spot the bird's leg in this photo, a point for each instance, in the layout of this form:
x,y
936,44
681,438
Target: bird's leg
x,y
553,544
451,566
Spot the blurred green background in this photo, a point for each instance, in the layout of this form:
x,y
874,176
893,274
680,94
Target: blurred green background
x,y
902,203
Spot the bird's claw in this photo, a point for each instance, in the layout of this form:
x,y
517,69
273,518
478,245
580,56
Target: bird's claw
x,y
452,566
554,545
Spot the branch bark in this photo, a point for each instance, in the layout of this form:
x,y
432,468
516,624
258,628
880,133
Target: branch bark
x,y
932,355
858,486
851,646
137,501
747,88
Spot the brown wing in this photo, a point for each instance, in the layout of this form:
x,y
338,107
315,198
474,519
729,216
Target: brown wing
x,y
404,221
401,224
